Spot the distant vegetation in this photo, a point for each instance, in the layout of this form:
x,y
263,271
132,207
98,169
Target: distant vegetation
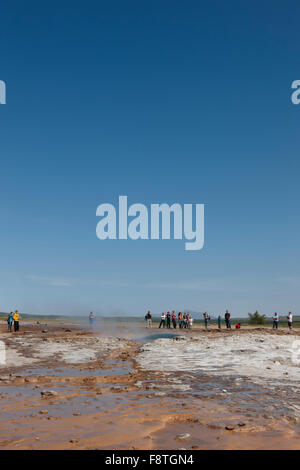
x,y
256,319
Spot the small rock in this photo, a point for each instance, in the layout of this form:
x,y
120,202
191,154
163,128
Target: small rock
x,y
4,378
29,379
229,427
292,419
183,437
43,412
48,393
116,389
76,414
241,424
44,331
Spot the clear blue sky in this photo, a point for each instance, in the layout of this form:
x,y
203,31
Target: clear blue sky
x,y
163,101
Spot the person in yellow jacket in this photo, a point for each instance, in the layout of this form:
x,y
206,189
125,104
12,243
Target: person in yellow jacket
x,y
16,319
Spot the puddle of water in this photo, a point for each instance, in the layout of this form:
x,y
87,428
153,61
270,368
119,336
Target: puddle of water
x,y
154,336
69,372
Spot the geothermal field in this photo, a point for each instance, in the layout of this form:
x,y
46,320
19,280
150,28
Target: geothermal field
x,y
122,386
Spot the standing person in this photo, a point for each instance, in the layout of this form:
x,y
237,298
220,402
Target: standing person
x,y
227,320
162,320
206,319
188,319
180,320
174,322
148,318
91,318
168,320
190,322
185,320
290,320
16,318
10,321
219,321
275,321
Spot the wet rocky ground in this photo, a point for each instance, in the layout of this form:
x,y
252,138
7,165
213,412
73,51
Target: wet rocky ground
x,y
66,387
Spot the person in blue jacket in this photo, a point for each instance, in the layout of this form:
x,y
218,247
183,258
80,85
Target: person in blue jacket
x,y
91,318
10,321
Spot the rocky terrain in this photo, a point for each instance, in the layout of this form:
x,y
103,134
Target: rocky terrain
x,y
65,387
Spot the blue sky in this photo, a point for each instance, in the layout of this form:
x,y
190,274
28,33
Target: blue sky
x,y
163,101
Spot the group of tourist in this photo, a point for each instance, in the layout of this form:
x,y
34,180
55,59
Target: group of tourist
x,y
13,320
276,320
185,320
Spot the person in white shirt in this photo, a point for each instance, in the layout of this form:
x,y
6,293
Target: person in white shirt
x,y
290,320
162,320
